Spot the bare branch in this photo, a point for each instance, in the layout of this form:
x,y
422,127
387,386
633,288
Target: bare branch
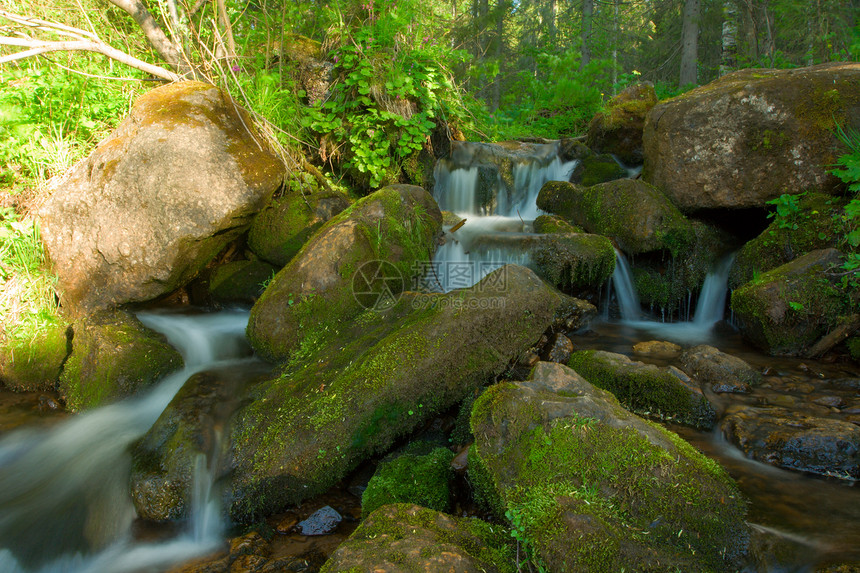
x,y
38,47
156,36
44,24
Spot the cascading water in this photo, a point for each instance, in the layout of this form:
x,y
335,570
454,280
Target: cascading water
x,y
64,502
709,308
494,188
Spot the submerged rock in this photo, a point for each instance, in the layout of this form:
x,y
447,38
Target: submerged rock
x,y
657,348
593,487
186,169
321,522
354,386
113,356
796,441
723,372
720,145
645,388
391,232
618,129
787,309
403,537
638,216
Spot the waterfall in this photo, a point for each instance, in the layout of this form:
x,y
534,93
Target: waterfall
x,y
64,502
495,188
709,308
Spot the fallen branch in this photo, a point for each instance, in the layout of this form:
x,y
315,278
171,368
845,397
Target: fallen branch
x,y
38,47
835,336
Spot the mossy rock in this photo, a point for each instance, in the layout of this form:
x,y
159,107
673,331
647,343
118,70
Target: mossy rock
x,y
574,262
404,537
634,213
748,136
187,169
646,389
618,129
354,386
573,148
787,309
281,229
853,345
591,487
34,364
409,478
594,169
552,224
390,231
113,356
780,243
240,281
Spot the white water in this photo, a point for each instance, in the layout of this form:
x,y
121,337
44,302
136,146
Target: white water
x,y
709,308
484,243
64,503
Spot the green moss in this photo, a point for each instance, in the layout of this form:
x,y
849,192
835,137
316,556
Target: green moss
x,y
29,365
574,262
645,389
853,345
552,224
422,480
596,169
489,545
778,244
630,502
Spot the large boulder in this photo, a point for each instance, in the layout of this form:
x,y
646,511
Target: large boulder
x,y
591,487
363,257
720,145
281,229
796,441
113,356
787,309
664,393
404,537
353,388
634,213
618,129
722,372
178,180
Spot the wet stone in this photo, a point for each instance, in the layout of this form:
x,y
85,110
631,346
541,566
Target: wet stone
x,y
657,349
561,349
830,401
322,522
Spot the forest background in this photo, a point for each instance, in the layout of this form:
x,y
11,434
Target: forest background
x,y
391,73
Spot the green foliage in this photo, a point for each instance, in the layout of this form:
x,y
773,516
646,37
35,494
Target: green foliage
x,y
392,86
788,214
848,221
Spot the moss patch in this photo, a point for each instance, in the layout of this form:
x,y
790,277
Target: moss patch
x,y
34,365
645,389
422,480
594,169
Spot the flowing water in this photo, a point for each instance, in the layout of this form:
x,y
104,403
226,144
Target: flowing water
x,y
64,502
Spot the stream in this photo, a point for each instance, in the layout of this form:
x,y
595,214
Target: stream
x,y
64,501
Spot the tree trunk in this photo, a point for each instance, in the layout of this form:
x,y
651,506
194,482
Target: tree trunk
x,y
154,34
728,57
587,15
552,21
689,43
615,39
768,47
501,9
750,32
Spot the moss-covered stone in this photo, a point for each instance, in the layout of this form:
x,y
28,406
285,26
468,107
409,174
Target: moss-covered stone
x,y
403,537
787,309
113,356
551,224
391,230
634,213
591,487
749,136
354,386
781,242
281,229
34,365
594,169
410,478
618,128
240,281
645,388
187,169
574,262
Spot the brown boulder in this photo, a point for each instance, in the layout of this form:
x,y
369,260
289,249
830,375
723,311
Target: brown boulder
x,y
178,180
721,145
618,129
